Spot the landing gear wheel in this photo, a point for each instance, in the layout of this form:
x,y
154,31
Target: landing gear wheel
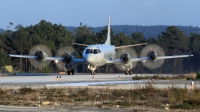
x,y
130,72
72,71
68,72
126,73
92,72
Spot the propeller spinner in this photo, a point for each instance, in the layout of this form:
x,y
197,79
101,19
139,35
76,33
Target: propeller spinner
x,y
66,53
125,54
152,52
41,51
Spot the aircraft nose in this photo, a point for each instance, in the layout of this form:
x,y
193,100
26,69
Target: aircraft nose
x,y
89,59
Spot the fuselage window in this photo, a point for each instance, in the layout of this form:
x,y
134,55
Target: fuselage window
x,y
94,51
87,51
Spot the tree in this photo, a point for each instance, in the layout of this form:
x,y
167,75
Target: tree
x,y
137,38
83,35
174,42
195,49
21,42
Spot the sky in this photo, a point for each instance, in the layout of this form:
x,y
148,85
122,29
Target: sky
x,y
95,13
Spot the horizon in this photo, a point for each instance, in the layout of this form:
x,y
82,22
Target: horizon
x,y
115,25
95,13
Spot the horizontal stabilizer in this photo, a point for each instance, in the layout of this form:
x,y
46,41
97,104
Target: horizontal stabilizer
x,y
80,44
130,45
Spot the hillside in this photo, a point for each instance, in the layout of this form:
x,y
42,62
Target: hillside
x,y
1,30
148,31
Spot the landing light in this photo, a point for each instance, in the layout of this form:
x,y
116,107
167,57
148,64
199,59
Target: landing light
x,y
144,61
56,61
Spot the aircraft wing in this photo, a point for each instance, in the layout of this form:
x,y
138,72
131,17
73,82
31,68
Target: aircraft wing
x,y
146,58
160,57
34,57
46,58
119,47
175,56
22,56
78,61
115,61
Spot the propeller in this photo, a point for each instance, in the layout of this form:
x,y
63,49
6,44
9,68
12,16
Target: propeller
x,y
125,54
41,51
66,53
152,52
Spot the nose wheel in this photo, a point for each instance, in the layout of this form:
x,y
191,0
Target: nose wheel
x,y
92,69
92,72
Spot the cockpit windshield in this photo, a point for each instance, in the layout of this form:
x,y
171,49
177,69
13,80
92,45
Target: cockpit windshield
x,y
94,51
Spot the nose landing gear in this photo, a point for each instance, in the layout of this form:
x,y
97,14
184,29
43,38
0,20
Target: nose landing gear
x,y
92,69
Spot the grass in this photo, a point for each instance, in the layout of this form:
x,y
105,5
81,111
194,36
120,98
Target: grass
x,y
148,95
191,76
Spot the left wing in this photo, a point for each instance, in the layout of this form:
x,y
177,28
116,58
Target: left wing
x,y
146,58
175,56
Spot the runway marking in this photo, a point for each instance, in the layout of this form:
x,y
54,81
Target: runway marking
x,y
95,83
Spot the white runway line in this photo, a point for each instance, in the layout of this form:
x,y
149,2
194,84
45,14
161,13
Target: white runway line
x,y
95,83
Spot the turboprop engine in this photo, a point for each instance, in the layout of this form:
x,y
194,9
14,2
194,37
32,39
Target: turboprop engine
x,y
41,56
41,52
68,60
125,58
67,63
152,52
152,55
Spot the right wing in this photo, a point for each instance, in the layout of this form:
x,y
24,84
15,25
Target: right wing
x,y
22,56
46,58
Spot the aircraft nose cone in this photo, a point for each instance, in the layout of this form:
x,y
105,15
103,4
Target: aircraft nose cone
x,y
89,59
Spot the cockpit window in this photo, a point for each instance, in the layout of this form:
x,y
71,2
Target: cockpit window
x,y
94,51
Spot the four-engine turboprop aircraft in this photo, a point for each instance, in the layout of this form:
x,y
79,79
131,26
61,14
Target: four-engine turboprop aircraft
x,y
100,54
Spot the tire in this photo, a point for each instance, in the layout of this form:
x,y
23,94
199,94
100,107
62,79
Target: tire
x,y
68,72
72,71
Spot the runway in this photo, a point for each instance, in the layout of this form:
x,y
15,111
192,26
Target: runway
x,y
102,80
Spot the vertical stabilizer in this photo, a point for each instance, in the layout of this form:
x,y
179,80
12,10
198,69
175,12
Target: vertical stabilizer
x,y
108,35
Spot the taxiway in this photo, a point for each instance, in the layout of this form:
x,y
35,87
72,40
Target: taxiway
x,y
115,81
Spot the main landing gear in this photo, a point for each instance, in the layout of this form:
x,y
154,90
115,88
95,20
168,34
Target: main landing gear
x,y
129,72
72,72
92,69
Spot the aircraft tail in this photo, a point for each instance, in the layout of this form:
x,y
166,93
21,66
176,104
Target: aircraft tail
x,y
108,42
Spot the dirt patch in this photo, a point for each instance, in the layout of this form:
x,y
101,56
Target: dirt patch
x,y
139,98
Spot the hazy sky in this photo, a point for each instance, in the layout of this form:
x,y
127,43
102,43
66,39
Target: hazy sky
x,y
95,13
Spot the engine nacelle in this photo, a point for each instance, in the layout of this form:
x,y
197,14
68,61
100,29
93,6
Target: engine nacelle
x,y
68,60
126,62
152,55
41,56
125,58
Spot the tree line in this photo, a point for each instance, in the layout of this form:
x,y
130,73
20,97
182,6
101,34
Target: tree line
x,y
173,40
148,31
